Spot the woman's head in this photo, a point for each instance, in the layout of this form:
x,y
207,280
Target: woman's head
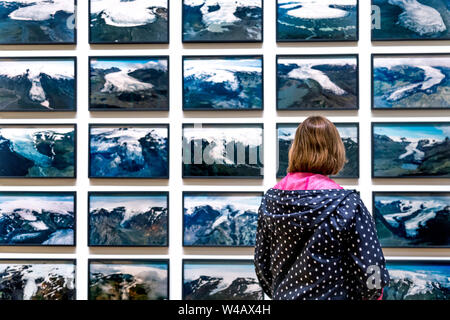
x,y
317,148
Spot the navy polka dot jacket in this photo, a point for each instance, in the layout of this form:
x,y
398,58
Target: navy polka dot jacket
x,y
318,244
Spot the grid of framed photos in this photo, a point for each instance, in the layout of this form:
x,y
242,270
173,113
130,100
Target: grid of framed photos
x,y
211,86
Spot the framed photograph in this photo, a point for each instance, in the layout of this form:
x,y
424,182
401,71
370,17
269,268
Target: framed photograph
x,y
38,151
412,219
129,83
349,133
128,219
418,280
220,280
410,149
135,279
37,218
128,22
38,84
220,219
223,83
222,21
317,82
37,22
410,81
223,151
312,20
34,279
400,20
129,151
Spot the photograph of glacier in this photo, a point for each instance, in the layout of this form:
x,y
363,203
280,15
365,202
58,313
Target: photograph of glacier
x,y
317,20
224,219
37,151
39,218
411,81
37,22
129,83
128,219
349,135
418,280
129,151
128,21
37,84
412,219
317,82
222,20
411,150
411,20
128,280
223,151
222,83
220,280
37,279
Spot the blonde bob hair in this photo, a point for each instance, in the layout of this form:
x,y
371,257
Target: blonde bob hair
x,y
317,148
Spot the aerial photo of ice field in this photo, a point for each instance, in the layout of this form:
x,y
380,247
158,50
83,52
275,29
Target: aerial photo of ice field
x,y
411,81
411,150
411,20
129,21
222,20
317,20
220,280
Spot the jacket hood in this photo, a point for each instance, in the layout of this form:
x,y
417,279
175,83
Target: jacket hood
x,y
306,208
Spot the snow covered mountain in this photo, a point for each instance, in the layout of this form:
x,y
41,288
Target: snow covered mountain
x,y
223,83
417,284
215,224
33,221
127,282
37,281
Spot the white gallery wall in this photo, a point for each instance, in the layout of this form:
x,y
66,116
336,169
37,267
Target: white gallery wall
x,y
176,117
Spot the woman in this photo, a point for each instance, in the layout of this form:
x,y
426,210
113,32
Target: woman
x,y
316,240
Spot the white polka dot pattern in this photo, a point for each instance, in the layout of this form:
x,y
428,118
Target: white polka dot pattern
x,y
317,244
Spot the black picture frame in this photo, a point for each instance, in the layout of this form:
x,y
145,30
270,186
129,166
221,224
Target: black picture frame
x,y
42,125
44,59
237,125
213,261
127,193
400,39
353,124
279,40
74,42
96,109
374,124
221,41
406,55
131,260
217,193
317,56
46,193
129,42
411,262
423,194
137,125
72,262
206,57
